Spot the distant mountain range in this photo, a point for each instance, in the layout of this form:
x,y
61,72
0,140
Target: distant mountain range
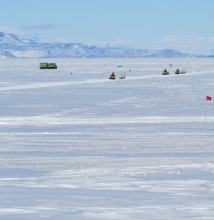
x,y
28,46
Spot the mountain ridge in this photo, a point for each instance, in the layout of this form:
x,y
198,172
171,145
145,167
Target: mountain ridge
x,y
17,46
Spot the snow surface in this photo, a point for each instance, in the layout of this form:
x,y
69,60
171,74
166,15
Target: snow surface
x,y
80,146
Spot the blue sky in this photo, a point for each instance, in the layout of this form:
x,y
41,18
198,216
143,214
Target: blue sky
x,y
185,25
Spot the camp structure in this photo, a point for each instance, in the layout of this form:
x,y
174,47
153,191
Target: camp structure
x,y
112,76
165,72
177,71
48,66
123,76
183,71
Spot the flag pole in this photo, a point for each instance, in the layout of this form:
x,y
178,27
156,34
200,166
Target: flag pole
x,y
208,98
206,111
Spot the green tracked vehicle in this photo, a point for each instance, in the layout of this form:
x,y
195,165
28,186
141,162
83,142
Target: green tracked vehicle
x,y
48,66
43,65
52,66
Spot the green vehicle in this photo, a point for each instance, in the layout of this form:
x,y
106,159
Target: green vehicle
x,y
48,66
43,65
52,66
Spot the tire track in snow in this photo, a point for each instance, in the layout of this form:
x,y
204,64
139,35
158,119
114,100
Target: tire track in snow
x,y
45,121
89,81
51,84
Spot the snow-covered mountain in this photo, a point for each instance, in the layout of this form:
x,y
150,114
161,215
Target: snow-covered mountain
x,y
22,45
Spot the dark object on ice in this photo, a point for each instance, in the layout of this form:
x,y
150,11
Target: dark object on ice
x,y
112,76
120,66
177,71
43,65
165,72
48,66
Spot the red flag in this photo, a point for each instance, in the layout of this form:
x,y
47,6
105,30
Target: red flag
x,y
208,98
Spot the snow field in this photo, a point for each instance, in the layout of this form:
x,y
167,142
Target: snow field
x,y
80,146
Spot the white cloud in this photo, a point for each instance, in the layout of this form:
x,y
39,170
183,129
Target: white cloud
x,y
211,39
27,34
13,30
183,39
187,43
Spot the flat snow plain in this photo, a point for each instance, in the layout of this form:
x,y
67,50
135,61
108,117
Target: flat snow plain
x,y
80,146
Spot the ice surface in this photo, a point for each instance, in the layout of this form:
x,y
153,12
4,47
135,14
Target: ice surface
x,y
76,145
